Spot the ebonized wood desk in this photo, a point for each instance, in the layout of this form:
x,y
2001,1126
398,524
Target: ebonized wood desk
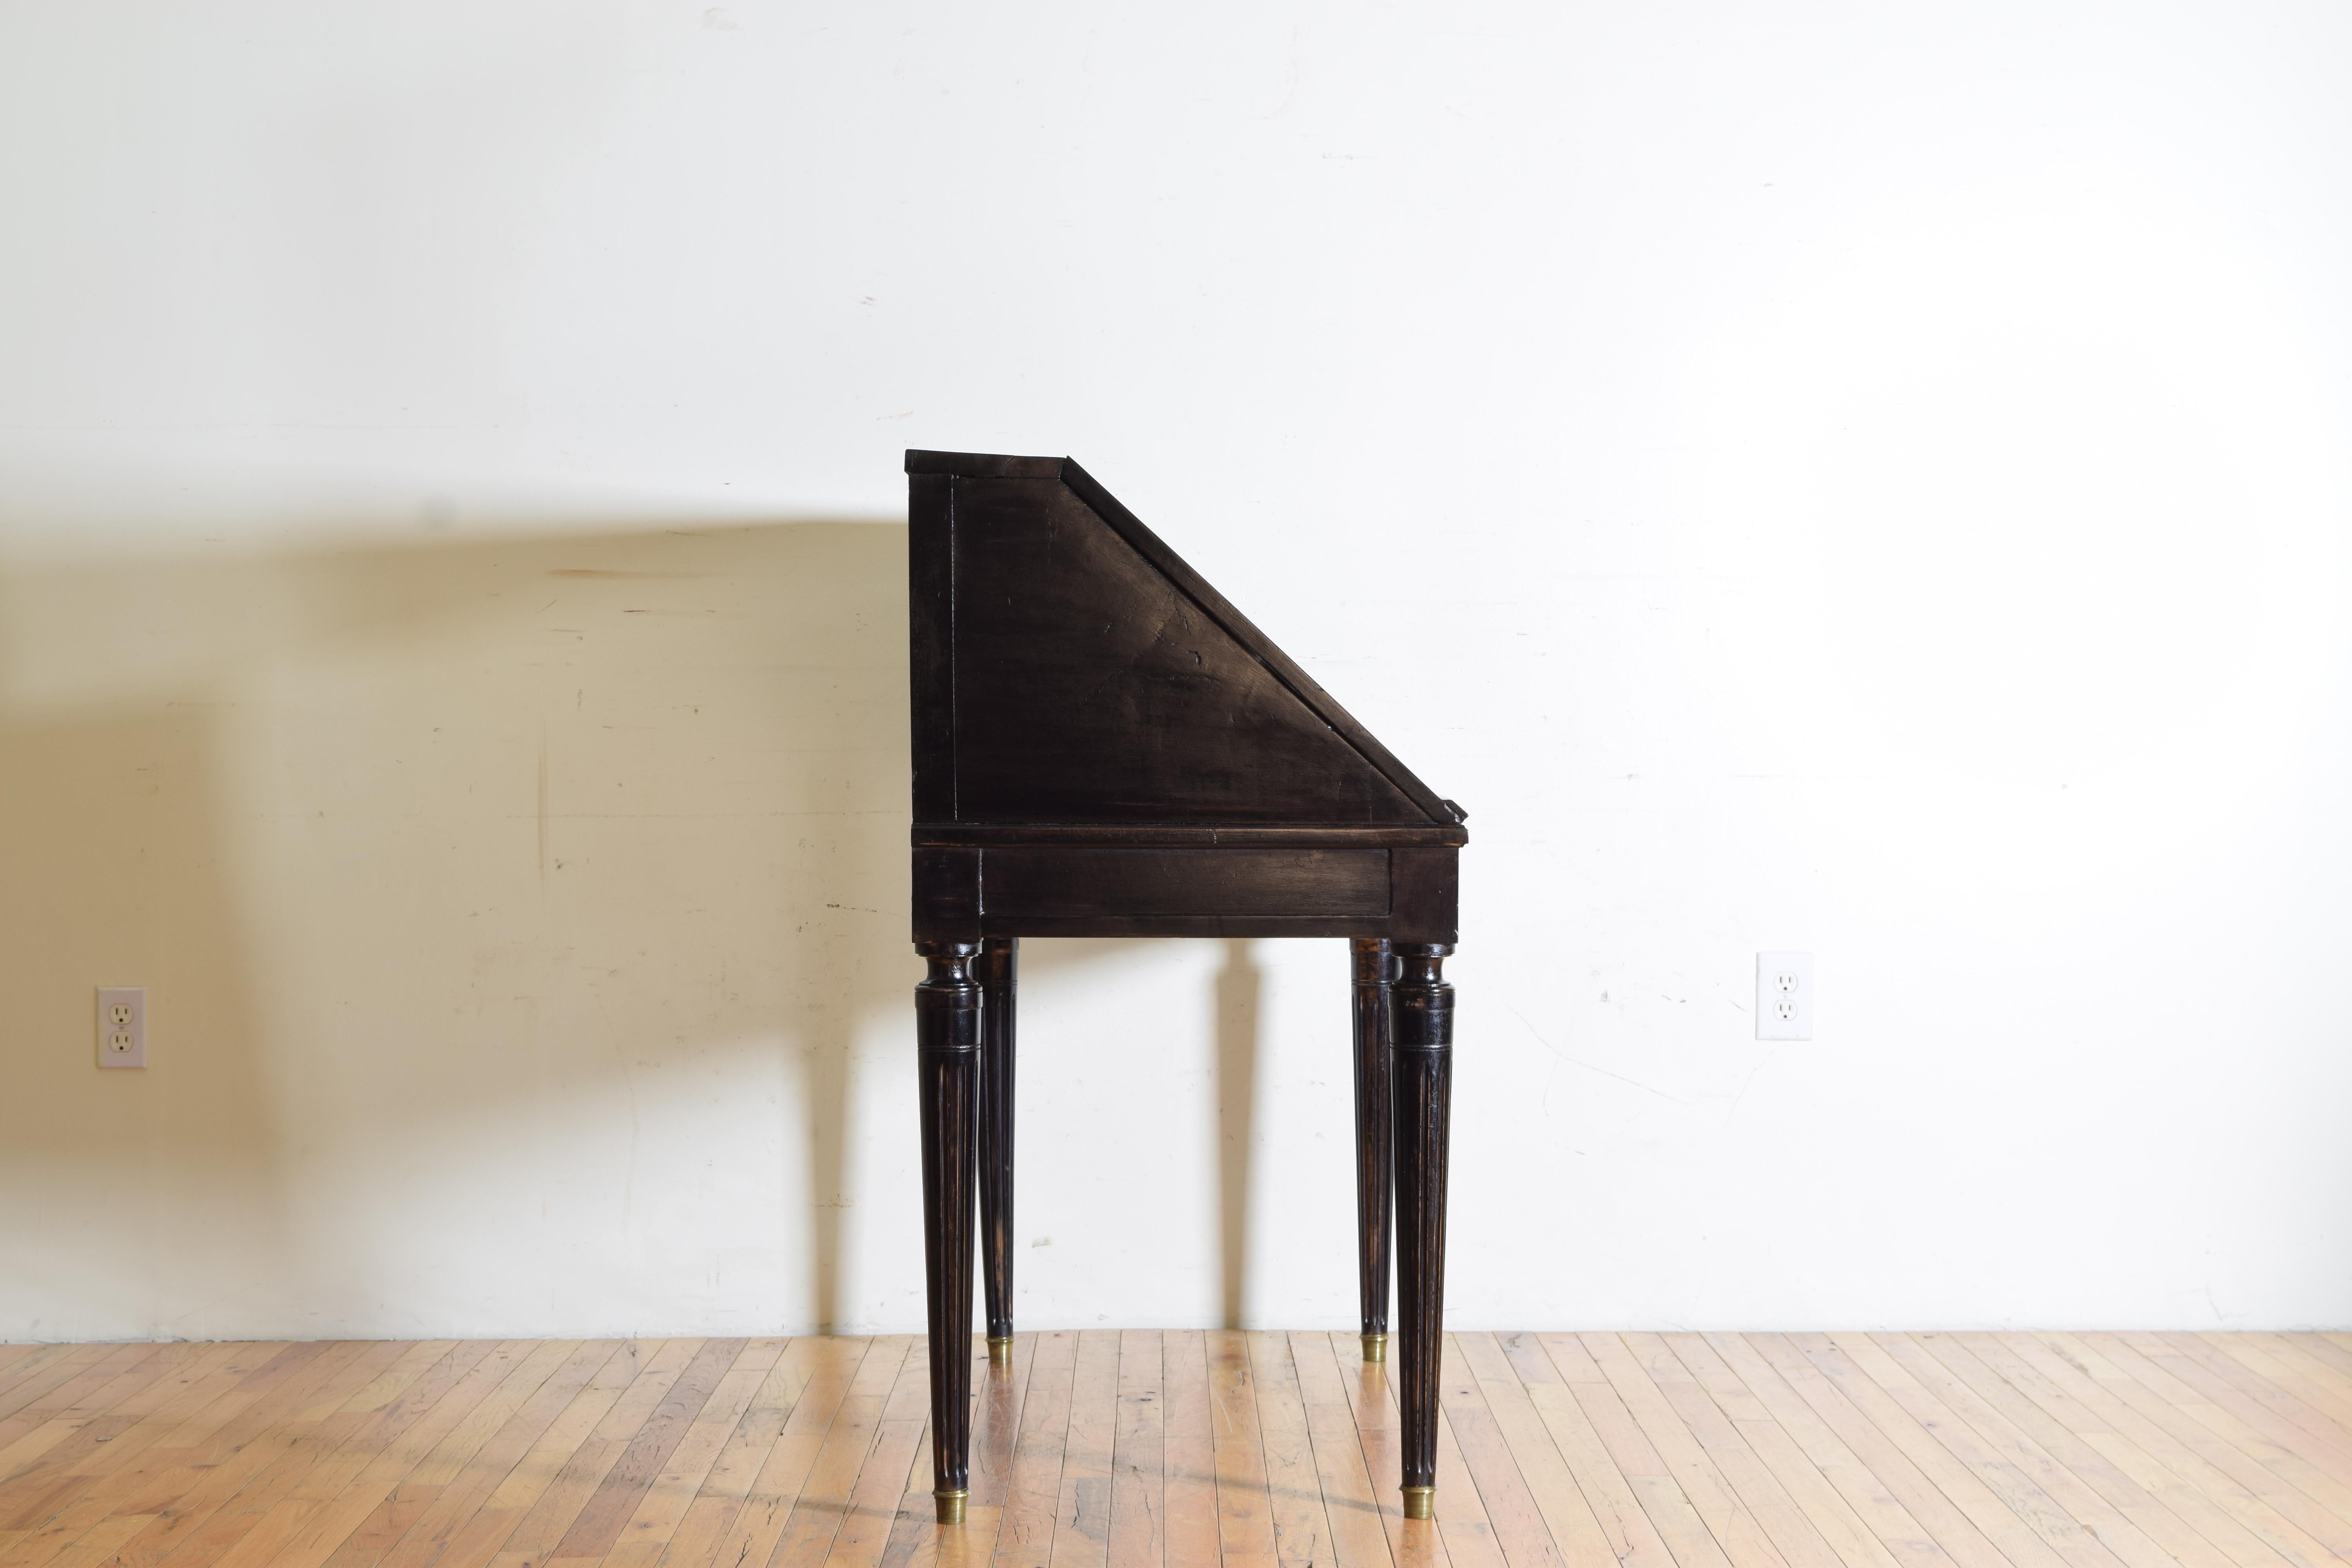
x,y
1103,746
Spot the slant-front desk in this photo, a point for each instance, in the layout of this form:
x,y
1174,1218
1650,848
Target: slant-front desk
x,y
1105,747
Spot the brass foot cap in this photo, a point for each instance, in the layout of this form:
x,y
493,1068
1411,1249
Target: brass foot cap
x,y
1419,1502
951,1505
999,1350
1376,1347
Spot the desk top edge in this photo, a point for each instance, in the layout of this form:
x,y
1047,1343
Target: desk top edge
x,y
1144,836
984,465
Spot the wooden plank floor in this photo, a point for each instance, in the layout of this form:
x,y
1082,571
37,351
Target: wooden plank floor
x,y
1118,1450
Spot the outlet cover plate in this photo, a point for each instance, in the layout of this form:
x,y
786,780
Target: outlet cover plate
x,y
122,1026
1784,995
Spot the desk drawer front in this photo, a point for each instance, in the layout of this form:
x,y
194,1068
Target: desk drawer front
x,y
1056,882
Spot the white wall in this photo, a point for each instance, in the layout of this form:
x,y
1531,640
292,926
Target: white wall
x,y
1864,479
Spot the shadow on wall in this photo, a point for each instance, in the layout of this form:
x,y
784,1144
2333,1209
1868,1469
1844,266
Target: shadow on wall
x,y
112,856
1240,985
484,893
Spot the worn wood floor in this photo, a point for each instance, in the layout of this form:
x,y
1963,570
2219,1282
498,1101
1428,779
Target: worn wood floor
x,y
1258,1450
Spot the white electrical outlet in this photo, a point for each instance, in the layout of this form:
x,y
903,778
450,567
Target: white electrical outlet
x,y
122,1026
1784,995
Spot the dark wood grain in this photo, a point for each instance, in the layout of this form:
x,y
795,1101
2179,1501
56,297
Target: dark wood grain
x,y
1156,881
947,895
985,465
999,971
1371,967
946,1039
987,835
931,583
1286,669
1424,895
1189,925
1422,1031
1104,746
1090,689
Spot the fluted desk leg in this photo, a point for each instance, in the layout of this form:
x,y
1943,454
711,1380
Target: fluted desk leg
x,y
1375,1187
947,1043
999,971
1422,1025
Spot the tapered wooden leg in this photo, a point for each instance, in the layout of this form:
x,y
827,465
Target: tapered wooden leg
x,y
947,1045
1422,1027
1375,1190
999,970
